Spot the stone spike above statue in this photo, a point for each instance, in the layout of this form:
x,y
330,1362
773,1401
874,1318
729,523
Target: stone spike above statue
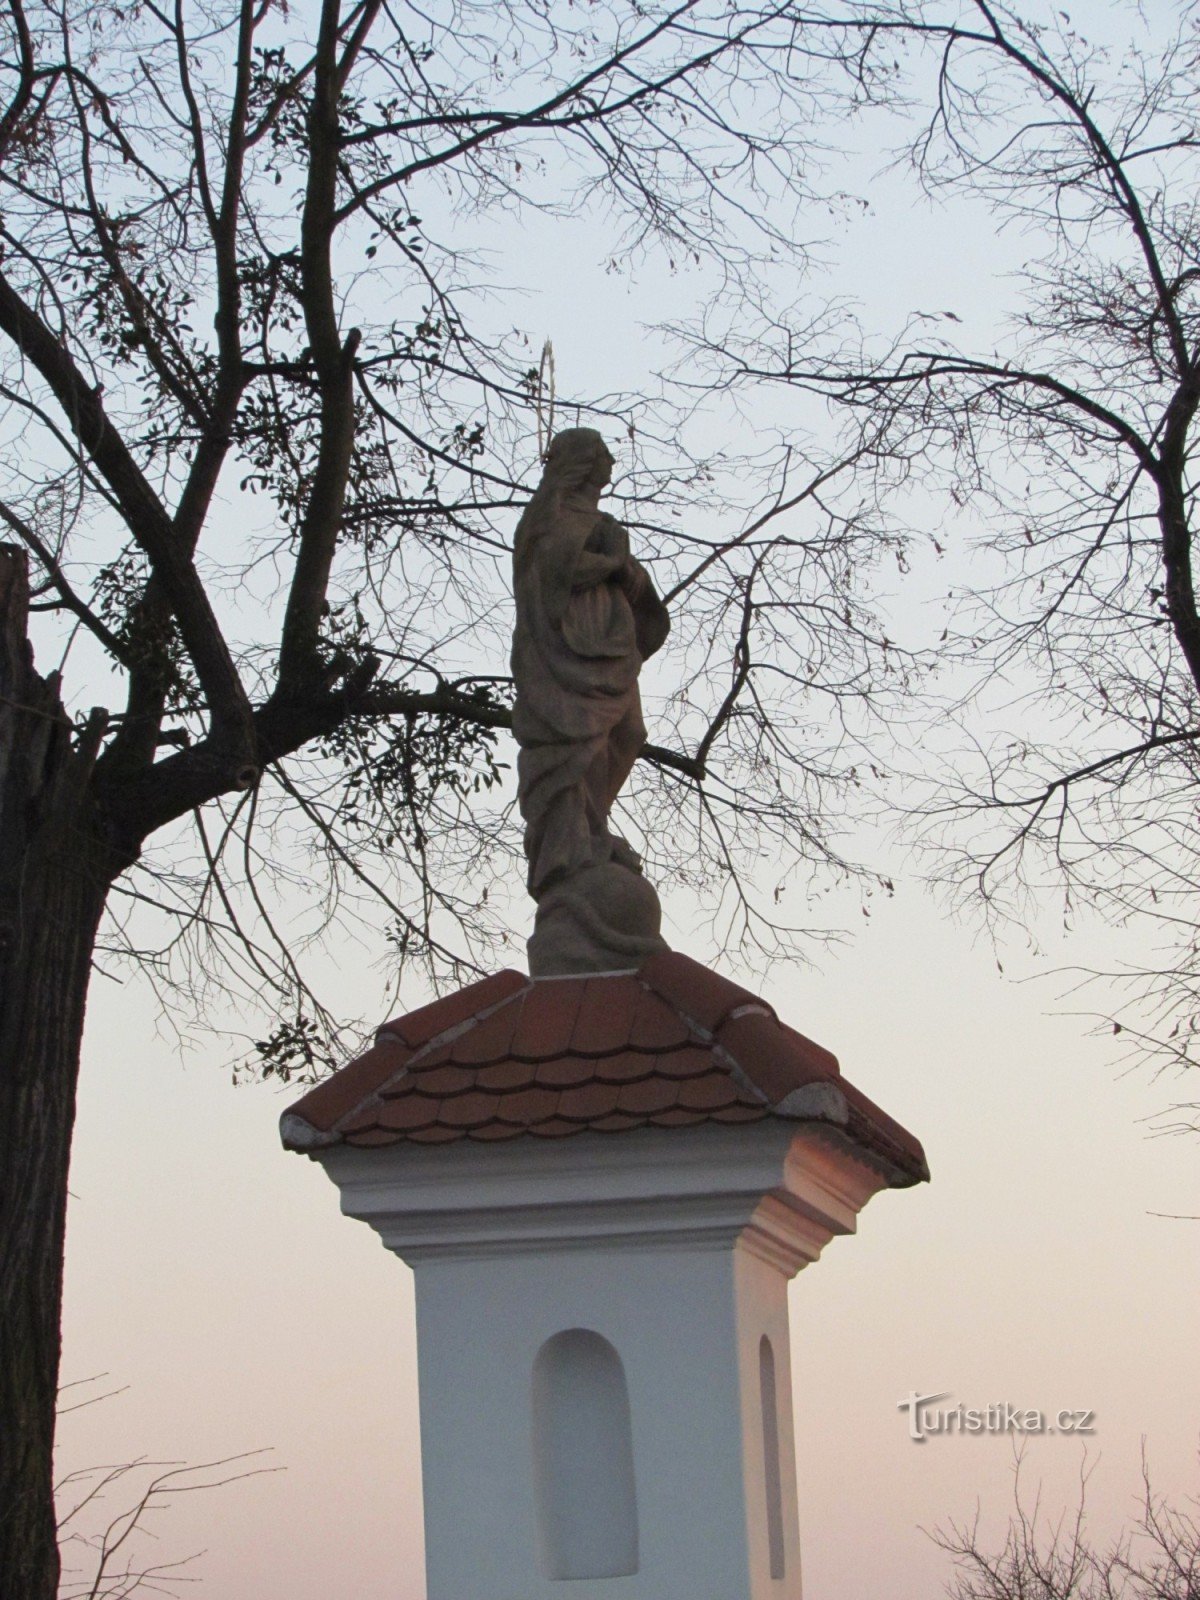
x,y
587,617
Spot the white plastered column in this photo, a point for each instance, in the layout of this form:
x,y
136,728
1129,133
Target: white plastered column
x,y
672,1250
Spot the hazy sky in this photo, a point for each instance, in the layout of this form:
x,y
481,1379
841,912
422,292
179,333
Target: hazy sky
x,y
214,1276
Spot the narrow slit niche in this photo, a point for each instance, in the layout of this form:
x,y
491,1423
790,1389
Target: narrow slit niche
x,y
772,1475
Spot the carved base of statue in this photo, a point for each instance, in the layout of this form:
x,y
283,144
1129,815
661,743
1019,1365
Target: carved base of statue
x,y
602,919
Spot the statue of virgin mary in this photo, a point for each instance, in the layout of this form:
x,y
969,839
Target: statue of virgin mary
x,y
587,617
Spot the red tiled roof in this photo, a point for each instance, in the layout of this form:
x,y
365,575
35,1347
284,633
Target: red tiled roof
x,y
670,1046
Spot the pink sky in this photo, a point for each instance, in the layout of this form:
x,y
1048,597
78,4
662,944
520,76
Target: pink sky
x,y
214,1275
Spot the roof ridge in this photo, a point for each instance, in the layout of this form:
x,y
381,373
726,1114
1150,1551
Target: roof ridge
x,y
561,977
464,1025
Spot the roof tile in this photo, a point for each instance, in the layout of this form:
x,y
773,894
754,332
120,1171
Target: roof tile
x,y
529,1106
435,1135
441,1080
337,1096
466,1110
589,1101
503,1077
775,1059
548,1011
740,1112
491,1037
627,1067
556,1128
367,1116
703,996
603,1021
408,1113
710,1093
617,1123
678,1117
371,1136
419,1027
495,1130
565,1072
693,1062
652,1094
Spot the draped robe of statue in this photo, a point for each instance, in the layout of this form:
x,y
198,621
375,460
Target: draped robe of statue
x,y
587,617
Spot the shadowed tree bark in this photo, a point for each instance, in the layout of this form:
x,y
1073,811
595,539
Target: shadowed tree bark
x,y
57,862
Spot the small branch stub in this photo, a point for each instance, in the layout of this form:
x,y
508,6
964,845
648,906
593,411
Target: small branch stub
x,y
545,400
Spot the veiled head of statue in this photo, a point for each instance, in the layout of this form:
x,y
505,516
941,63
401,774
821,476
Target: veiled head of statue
x,y
579,456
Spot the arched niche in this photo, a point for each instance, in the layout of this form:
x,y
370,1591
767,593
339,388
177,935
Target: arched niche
x,y
772,1472
585,1498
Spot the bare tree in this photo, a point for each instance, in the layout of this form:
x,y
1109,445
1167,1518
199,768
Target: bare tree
x,y
104,1554
262,452
1068,449
1158,1558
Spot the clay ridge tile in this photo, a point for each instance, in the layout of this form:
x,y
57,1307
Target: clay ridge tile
x,y
419,1027
871,1126
702,996
346,1090
775,1059
822,1060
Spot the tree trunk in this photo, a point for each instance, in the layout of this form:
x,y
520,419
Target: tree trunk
x,y
55,871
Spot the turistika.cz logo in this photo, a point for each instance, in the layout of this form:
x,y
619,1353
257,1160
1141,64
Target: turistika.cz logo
x,y
928,1418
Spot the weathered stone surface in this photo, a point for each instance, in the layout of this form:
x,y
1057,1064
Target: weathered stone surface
x,y
587,617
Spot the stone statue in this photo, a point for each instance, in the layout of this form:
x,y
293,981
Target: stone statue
x,y
587,617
